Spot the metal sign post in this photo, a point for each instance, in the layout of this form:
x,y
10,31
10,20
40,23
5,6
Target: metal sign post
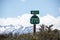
x,y
34,29
34,20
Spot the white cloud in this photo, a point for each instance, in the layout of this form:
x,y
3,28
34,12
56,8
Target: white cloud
x,y
20,20
24,20
48,20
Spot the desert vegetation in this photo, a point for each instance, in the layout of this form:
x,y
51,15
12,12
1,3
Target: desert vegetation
x,y
45,33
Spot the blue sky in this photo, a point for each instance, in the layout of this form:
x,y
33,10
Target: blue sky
x,y
17,12
14,8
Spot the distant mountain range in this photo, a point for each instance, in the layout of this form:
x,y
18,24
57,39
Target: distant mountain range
x,y
16,29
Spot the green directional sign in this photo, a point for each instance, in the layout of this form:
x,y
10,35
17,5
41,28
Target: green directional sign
x,y
35,12
34,20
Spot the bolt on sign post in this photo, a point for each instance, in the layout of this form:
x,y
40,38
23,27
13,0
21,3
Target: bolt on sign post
x,y
34,20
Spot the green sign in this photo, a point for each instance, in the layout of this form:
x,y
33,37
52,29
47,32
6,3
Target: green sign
x,y
34,20
35,12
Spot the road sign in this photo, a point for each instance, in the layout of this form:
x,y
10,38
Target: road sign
x,y
35,12
34,20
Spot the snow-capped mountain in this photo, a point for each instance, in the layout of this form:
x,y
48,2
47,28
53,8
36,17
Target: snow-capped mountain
x,y
15,29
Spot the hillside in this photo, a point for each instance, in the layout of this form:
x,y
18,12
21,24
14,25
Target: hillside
x,y
45,33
